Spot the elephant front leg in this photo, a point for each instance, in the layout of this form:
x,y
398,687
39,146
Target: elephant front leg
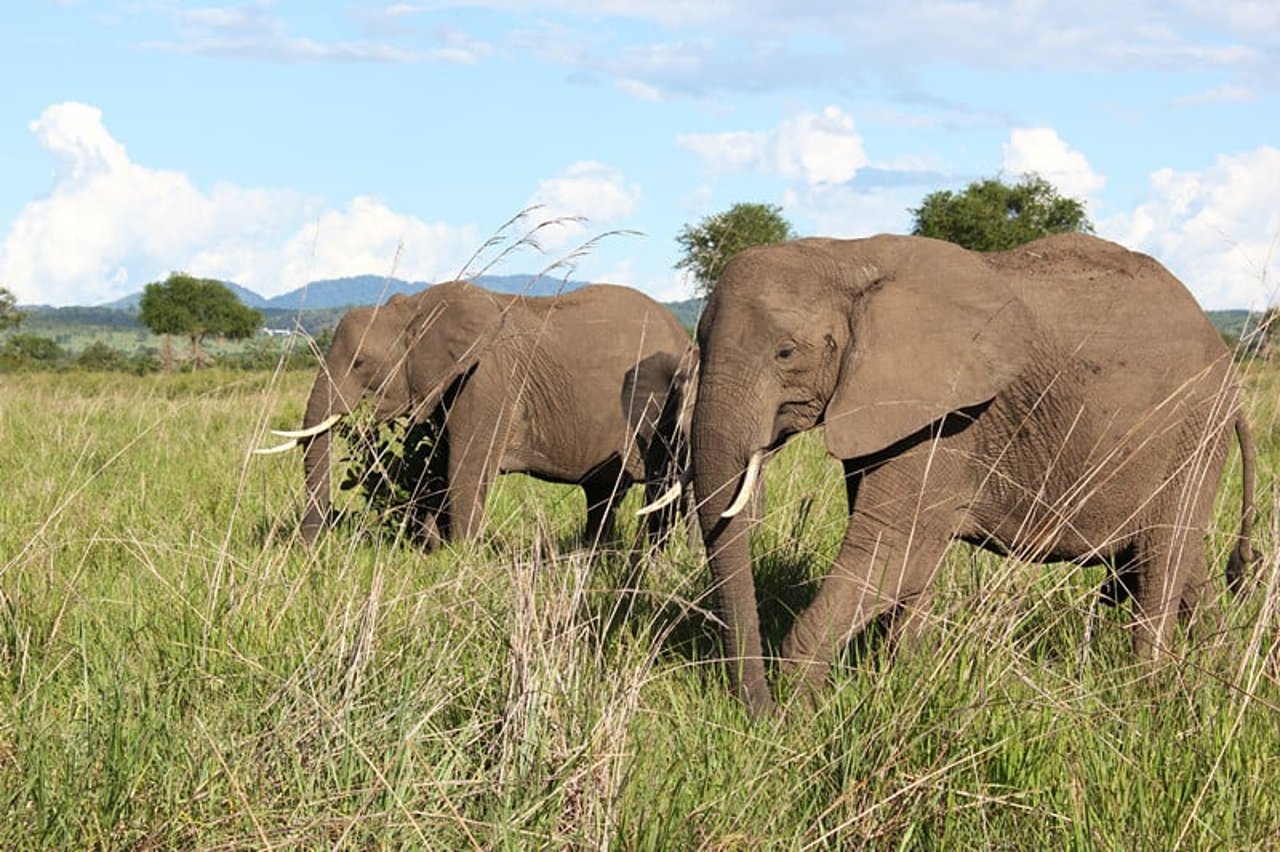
x,y
878,572
603,490
471,470
892,549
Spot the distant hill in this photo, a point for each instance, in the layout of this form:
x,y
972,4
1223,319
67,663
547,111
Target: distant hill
x,y
1229,322
688,311
368,290
375,289
130,302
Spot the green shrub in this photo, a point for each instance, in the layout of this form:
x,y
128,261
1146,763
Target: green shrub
x,y
33,347
103,358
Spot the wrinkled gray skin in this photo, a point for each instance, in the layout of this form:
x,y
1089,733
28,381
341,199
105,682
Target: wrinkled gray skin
x,y
1066,400
524,384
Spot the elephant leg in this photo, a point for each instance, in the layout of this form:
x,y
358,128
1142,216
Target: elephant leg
x,y
471,471
1174,577
1162,578
910,619
427,504
602,489
892,548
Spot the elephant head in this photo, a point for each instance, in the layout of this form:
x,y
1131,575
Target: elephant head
x,y
876,339
401,355
657,399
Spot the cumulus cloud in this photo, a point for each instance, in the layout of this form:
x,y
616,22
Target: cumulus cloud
x,y
110,225
586,196
1217,229
369,237
813,148
1041,150
844,210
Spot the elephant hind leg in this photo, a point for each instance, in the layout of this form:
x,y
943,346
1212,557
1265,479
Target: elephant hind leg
x,y
1173,577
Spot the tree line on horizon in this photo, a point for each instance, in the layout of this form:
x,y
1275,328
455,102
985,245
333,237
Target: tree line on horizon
x,y
987,215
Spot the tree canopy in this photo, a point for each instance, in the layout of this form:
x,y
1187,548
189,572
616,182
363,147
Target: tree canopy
x,y
196,308
10,316
708,245
991,215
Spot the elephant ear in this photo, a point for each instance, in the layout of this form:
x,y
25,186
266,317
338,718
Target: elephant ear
x,y
449,335
926,342
655,393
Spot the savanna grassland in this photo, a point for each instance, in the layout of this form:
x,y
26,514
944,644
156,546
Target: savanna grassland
x,y
177,671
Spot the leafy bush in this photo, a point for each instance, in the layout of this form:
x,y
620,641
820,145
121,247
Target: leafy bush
x,y
397,465
24,351
103,358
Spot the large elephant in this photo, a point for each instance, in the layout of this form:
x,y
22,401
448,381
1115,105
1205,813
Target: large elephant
x,y
1063,401
518,384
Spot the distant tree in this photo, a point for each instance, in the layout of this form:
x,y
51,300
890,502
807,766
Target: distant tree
x,y
991,215
196,308
1261,336
10,316
708,245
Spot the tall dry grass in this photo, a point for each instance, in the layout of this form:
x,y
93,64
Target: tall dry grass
x,y
176,671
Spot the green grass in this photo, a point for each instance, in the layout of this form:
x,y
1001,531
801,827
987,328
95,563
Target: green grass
x,y
176,670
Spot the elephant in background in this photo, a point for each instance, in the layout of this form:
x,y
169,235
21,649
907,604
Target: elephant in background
x,y
1067,400
657,400
518,384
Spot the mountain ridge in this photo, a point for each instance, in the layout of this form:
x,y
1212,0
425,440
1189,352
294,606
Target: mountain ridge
x,y
353,290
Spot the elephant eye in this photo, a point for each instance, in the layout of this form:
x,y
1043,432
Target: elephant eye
x,y
786,350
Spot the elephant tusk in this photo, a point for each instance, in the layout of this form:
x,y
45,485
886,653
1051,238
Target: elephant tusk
x,y
311,431
668,497
279,448
748,485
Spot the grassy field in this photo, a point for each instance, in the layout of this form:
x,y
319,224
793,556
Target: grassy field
x,y
177,671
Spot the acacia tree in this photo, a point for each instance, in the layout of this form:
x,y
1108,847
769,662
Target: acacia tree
x,y
991,215
708,245
196,308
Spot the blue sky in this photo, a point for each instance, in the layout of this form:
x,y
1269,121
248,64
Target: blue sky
x,y
273,143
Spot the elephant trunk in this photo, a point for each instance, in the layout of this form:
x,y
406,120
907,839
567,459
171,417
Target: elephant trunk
x,y
315,460
723,444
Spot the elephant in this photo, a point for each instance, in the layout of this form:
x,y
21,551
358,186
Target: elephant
x,y
517,384
657,399
1064,401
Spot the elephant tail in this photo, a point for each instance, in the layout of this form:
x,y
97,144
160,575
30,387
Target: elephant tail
x,y
1242,555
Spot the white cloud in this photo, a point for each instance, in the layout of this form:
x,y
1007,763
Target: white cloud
x,y
1041,150
586,195
822,148
1218,95
368,237
1217,229
254,31
111,225
840,210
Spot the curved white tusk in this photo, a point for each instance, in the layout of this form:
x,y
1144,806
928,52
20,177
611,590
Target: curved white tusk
x,y
747,487
668,497
279,448
311,431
